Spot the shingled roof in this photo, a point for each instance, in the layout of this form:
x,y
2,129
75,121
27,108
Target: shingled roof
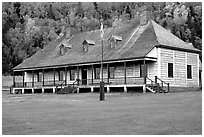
x,y
136,42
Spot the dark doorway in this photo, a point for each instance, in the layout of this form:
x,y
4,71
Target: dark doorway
x,y
84,76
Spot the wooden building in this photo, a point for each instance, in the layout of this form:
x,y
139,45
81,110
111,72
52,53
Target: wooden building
x,y
137,54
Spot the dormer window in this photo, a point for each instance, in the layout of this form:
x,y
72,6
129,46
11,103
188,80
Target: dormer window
x,y
114,41
64,48
85,48
86,44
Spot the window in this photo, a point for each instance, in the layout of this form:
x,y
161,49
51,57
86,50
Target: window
x,y
114,41
111,72
141,70
72,74
60,74
170,70
97,73
118,43
189,72
130,70
85,47
39,77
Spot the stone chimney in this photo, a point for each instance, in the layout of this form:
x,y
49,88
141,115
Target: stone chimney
x,y
71,30
145,16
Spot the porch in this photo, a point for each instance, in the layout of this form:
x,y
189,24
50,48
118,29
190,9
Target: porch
x,y
80,84
115,74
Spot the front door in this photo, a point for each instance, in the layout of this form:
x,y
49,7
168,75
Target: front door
x,y
84,76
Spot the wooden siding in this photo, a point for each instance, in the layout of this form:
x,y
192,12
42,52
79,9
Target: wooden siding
x,y
152,70
137,70
152,53
49,76
152,67
180,60
193,61
180,68
166,57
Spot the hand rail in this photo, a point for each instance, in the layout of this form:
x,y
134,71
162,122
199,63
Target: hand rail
x,y
152,82
163,82
74,83
157,84
60,84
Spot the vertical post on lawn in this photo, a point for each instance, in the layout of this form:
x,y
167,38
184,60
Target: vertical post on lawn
x,y
92,75
78,75
102,94
54,76
43,77
14,79
32,78
65,76
145,71
125,73
108,74
23,73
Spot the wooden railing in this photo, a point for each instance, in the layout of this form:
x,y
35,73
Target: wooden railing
x,y
37,84
113,81
108,81
61,84
158,84
162,83
152,82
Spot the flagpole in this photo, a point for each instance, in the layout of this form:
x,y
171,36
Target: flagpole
x,y
102,94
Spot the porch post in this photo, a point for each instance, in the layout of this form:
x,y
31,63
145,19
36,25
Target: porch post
x,y
43,72
92,74
77,75
23,78
107,73
65,76
54,76
125,73
92,89
125,89
32,78
145,73
14,83
108,89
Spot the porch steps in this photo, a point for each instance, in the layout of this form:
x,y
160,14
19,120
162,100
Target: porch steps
x,y
151,90
67,90
154,89
74,90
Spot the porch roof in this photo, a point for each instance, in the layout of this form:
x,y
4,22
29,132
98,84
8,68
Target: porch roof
x,y
136,43
152,59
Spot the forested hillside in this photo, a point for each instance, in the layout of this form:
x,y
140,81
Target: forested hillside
x,y
30,26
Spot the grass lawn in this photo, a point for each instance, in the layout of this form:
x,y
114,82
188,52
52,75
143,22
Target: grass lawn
x,y
171,113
